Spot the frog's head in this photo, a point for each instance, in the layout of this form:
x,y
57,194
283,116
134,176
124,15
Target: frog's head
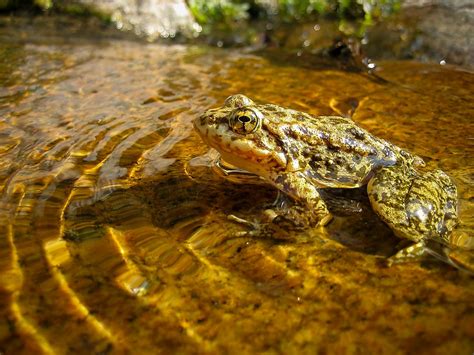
x,y
239,131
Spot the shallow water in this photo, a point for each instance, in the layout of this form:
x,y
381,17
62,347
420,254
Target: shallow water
x,y
113,228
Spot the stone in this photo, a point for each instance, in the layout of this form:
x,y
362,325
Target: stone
x,y
148,18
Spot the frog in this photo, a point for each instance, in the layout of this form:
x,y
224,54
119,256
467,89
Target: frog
x,y
301,154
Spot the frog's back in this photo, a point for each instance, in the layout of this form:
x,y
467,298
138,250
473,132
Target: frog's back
x,y
337,152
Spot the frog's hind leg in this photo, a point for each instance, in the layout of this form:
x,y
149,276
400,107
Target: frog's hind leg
x,y
418,206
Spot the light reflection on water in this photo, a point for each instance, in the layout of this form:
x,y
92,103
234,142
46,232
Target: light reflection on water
x,y
111,240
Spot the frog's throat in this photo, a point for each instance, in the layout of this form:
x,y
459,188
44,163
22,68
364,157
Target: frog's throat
x,y
234,174
262,165
225,169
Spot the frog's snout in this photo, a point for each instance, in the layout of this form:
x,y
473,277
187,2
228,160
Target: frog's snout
x,y
206,123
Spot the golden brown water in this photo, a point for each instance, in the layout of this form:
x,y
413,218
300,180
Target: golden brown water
x,y
113,233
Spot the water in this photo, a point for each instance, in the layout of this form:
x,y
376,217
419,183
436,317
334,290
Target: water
x,y
113,230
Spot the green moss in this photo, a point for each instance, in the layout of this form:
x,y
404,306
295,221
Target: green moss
x,y
228,11
218,11
291,10
44,4
26,4
233,16
299,10
4,4
83,10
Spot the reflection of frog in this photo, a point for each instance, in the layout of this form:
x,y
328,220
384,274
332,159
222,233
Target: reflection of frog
x,y
300,154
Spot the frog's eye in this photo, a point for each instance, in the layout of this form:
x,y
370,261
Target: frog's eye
x,y
245,120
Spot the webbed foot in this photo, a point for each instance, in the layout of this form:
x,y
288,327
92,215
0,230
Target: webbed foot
x,y
435,249
411,253
276,224
264,229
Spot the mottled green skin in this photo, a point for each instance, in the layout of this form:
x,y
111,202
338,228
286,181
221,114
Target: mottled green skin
x,y
300,154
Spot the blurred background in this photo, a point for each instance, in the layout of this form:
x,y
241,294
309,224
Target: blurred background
x,y
426,30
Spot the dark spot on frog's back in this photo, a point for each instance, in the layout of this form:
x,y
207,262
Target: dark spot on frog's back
x,y
339,161
331,148
314,158
297,134
356,133
271,108
279,114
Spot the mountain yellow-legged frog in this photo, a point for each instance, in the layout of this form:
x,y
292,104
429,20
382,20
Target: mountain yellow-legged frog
x,y
300,154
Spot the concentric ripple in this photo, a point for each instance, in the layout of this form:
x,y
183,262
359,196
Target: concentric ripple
x,y
114,235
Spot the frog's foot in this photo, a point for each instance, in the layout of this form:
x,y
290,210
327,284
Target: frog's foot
x,y
280,223
253,227
299,217
234,218
308,209
264,229
408,254
418,206
435,249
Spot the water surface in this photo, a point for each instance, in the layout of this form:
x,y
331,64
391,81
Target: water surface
x,y
113,232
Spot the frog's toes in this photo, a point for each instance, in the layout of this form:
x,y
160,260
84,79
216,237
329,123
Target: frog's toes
x,y
245,234
411,253
272,226
234,218
269,215
325,220
254,228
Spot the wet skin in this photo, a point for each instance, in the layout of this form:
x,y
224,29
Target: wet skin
x,y
300,154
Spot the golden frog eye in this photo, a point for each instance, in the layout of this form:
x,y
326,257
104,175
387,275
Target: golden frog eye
x,y
245,120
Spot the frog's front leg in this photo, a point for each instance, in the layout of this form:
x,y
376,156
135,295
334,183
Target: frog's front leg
x,y
416,205
308,208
